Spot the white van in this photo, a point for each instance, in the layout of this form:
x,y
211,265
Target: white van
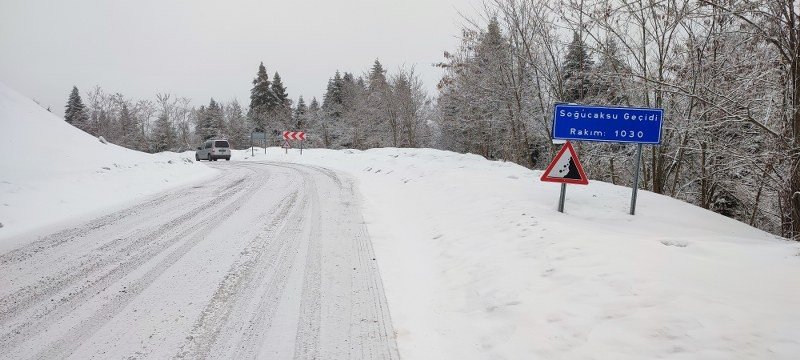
x,y
213,149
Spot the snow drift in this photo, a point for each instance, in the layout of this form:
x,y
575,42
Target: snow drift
x,y
52,172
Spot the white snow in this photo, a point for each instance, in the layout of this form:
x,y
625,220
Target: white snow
x,y
478,264
475,260
52,173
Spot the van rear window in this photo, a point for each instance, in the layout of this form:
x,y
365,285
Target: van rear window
x,y
221,144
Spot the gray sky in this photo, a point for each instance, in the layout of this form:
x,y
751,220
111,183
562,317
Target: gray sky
x,y
203,49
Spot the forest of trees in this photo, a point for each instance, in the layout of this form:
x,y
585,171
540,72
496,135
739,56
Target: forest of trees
x,y
726,73
373,110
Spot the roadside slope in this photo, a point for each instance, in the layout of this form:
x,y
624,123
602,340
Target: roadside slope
x,y
53,172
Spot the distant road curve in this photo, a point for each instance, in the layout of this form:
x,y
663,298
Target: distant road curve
x,y
268,260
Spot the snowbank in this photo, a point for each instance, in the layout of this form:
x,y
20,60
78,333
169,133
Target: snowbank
x,y
478,264
52,172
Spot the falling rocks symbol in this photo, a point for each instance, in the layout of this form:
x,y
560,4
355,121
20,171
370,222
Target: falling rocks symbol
x,y
566,168
571,169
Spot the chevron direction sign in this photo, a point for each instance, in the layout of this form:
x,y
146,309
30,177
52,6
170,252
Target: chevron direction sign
x,y
294,135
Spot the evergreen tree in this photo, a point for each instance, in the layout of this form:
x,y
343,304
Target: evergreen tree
x,y
609,83
313,107
281,98
127,125
332,100
301,114
492,51
216,118
281,112
379,100
163,134
210,121
261,95
377,77
576,69
262,99
315,125
351,89
238,132
75,113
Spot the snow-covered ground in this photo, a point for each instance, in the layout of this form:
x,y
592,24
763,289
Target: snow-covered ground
x,y
52,173
478,264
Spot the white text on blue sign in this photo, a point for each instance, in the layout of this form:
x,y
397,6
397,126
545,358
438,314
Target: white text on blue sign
x,y
608,124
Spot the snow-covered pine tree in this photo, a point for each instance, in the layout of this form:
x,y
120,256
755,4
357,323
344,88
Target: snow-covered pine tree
x,y
262,99
216,119
482,96
315,123
163,134
210,121
279,90
377,77
609,73
332,99
381,114
313,108
200,123
128,126
350,129
332,108
300,114
238,131
281,112
576,70
260,94
75,113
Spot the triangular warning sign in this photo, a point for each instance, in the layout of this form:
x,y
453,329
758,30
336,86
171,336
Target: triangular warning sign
x,y
566,168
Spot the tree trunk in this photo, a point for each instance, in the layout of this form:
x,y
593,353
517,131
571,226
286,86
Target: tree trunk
x,y
794,142
703,178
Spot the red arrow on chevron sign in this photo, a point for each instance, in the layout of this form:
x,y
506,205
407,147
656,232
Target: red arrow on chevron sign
x,y
294,135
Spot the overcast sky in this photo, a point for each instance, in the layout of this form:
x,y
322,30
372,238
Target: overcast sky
x,y
203,49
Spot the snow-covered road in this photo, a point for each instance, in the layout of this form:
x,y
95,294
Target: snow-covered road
x,y
266,260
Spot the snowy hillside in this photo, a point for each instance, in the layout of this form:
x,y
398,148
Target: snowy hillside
x,y
477,264
52,172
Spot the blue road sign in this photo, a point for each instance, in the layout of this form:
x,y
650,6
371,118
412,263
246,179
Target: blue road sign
x,y
609,124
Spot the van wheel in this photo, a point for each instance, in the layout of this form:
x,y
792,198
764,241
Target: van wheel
x,y
227,159
196,158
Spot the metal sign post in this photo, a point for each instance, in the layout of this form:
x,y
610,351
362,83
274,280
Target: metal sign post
x,y
257,135
296,136
562,197
566,169
636,178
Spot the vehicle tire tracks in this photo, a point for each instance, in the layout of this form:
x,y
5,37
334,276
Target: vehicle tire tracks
x,y
93,276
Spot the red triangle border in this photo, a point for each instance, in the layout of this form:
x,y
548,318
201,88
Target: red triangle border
x,y
582,181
